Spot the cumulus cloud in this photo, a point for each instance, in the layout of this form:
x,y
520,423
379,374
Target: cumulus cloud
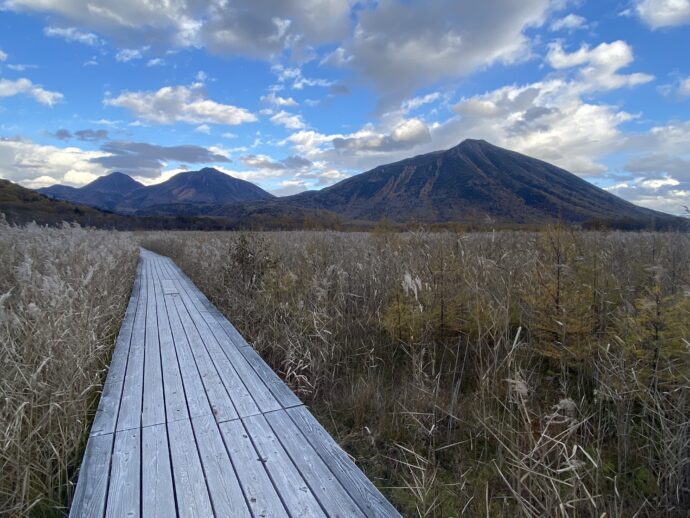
x,y
127,55
147,160
663,13
173,104
677,167
264,29
243,27
276,100
264,162
554,119
600,65
3,55
401,46
9,88
405,135
36,165
72,34
288,120
684,87
569,22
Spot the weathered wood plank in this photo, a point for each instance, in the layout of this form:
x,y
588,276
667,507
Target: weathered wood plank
x,y
231,331
195,394
294,491
174,361
173,388
322,482
277,389
130,404
277,386
153,404
158,498
221,404
260,393
223,485
355,482
108,407
190,486
242,399
168,286
92,487
261,495
124,492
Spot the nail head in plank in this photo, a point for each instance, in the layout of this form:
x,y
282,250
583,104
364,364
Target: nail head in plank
x,y
223,485
218,397
292,488
322,482
261,495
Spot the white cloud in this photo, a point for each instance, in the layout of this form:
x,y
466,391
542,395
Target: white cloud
x,y
416,102
127,55
72,34
288,120
243,27
684,87
569,22
293,75
203,128
401,46
173,104
35,165
364,148
553,119
19,67
3,55
663,13
600,65
276,100
156,62
9,88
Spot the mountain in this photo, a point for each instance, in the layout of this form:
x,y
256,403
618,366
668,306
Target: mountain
x,y
187,193
20,205
190,192
105,192
472,182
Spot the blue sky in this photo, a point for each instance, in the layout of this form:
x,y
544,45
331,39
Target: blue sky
x,y
299,94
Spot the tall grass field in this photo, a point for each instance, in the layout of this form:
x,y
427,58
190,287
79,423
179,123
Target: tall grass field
x,y
63,293
482,374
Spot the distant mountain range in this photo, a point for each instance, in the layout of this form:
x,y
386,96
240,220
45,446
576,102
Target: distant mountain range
x,y
473,182
183,193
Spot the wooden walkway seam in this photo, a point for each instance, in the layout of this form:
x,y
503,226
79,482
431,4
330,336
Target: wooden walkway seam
x,y
192,422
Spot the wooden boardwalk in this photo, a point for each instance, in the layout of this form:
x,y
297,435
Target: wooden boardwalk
x,y
192,422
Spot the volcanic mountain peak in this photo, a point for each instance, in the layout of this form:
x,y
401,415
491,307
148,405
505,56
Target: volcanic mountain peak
x,y
114,182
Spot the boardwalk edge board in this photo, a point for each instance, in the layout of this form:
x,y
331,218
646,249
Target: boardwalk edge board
x,y
192,422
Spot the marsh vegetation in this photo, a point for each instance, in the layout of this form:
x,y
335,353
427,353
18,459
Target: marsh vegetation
x,y
495,374
491,374
63,292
